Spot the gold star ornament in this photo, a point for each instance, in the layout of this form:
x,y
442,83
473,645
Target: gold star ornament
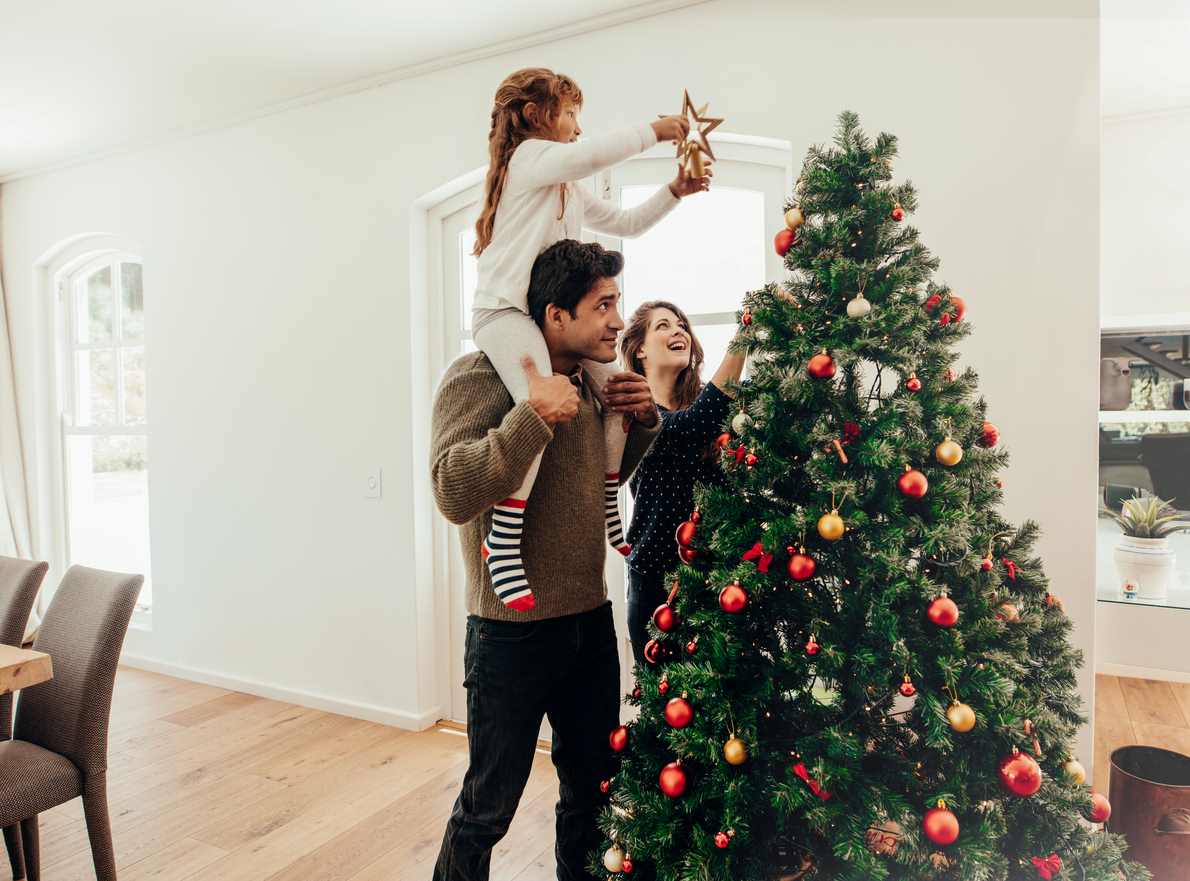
x,y
695,146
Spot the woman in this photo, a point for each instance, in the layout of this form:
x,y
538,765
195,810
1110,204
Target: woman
x,y
660,345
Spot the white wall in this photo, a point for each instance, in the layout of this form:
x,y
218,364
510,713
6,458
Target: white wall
x,y
276,274
1146,214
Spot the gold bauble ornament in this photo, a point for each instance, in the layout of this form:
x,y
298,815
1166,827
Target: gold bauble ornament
x,y
794,218
735,751
1075,772
858,306
948,453
961,717
613,859
831,526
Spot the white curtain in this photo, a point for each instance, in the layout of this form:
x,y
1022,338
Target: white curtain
x,y
14,503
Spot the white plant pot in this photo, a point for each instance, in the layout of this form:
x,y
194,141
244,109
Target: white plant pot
x,y
1147,563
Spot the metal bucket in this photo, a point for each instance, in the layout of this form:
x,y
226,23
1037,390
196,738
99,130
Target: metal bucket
x,y
1150,798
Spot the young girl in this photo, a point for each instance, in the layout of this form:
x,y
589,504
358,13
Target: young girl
x,y
531,200
660,344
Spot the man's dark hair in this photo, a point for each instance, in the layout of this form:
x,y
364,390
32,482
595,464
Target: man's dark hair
x,y
565,271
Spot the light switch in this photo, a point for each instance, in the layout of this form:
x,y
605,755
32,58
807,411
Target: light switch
x,y
373,484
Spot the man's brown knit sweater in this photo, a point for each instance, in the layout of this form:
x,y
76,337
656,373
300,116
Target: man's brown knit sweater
x,y
481,449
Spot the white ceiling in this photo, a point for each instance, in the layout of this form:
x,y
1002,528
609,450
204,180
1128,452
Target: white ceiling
x,y
1145,58
80,78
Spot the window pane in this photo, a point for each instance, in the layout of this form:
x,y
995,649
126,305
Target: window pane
x,y
133,363
468,276
95,387
132,302
714,339
93,313
703,257
109,504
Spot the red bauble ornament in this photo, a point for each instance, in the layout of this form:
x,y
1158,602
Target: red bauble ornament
x,y
783,241
944,319
751,459
987,564
665,618
907,688
733,598
723,440
673,779
812,646
627,866
687,530
605,786
850,432
746,317
932,302
652,651
960,307
679,713
721,840
943,612
1019,774
940,826
898,213
801,565
913,383
663,687
913,483
822,366
687,555
989,435
1100,808
618,739
692,646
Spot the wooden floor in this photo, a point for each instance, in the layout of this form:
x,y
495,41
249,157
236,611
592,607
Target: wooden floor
x,y
1138,711
211,784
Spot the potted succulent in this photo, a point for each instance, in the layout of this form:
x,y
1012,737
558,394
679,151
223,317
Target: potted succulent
x,y
1144,559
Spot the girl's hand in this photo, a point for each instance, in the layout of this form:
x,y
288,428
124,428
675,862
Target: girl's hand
x,y
685,185
671,128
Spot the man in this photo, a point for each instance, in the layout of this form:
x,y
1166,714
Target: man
x,y
559,660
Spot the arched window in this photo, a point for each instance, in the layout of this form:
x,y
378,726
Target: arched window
x,y
104,416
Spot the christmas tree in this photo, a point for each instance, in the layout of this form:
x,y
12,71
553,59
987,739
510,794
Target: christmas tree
x,y
861,672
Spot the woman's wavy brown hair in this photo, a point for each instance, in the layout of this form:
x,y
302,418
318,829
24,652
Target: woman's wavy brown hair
x,y
510,127
688,384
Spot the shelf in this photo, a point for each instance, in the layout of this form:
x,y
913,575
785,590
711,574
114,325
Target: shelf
x,y
1177,599
1134,417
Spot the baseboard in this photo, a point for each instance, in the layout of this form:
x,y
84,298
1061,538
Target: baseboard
x,y
356,710
1130,672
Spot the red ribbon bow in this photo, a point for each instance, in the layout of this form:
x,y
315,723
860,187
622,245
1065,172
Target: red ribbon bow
x,y
1011,567
815,786
1047,867
757,552
739,454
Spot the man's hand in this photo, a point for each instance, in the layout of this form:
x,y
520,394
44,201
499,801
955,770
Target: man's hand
x,y
553,397
629,393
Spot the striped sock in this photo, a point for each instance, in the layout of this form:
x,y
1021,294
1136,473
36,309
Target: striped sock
x,y
611,513
502,553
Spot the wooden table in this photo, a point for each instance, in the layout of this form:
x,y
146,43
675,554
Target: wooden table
x,y
20,668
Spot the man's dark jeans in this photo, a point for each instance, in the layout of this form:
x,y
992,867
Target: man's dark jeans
x,y
567,670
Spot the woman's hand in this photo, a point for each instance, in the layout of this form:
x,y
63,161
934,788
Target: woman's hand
x,y
671,128
685,185
629,393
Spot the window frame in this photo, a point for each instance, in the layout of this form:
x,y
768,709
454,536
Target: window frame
x,y
71,285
